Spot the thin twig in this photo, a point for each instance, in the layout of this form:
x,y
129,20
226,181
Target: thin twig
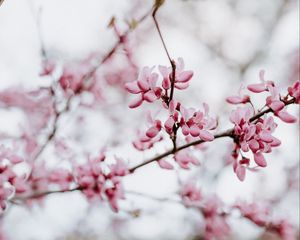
x,y
172,62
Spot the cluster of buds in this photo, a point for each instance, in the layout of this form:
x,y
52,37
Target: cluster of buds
x,y
99,181
253,133
147,139
192,122
253,136
147,88
183,158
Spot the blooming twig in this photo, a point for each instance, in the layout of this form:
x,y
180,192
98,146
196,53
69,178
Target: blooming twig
x,y
227,133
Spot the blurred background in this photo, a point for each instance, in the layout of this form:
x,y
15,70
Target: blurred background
x,y
225,43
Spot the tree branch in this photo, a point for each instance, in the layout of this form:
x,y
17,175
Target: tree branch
x,y
227,133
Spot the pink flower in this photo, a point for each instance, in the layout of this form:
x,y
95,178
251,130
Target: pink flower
x,y
48,68
144,142
165,165
118,169
257,213
239,166
173,117
98,184
80,76
114,194
255,136
184,159
182,77
72,78
197,123
151,136
154,130
294,91
261,87
274,101
286,117
145,87
239,99
190,194
216,226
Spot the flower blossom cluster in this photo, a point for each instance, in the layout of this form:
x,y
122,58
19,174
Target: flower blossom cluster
x,y
183,158
95,179
252,136
192,123
253,133
76,77
99,181
147,89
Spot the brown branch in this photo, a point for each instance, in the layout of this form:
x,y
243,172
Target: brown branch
x,y
227,133
157,5
172,80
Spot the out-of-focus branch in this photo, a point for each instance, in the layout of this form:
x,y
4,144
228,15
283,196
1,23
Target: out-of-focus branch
x,y
107,56
54,128
43,194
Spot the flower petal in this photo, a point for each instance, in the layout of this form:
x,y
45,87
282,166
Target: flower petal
x,y
260,160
